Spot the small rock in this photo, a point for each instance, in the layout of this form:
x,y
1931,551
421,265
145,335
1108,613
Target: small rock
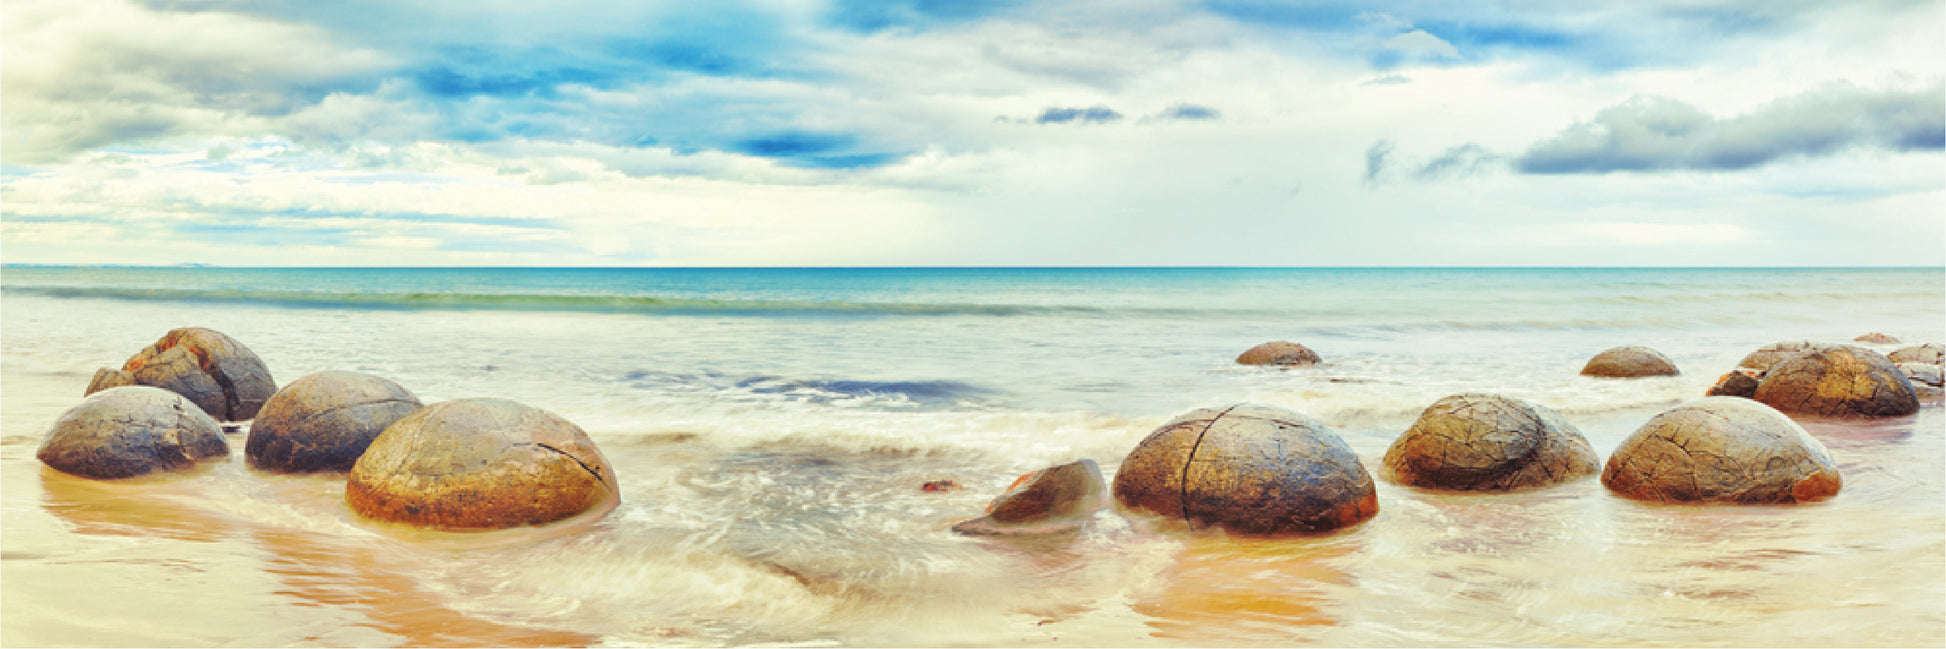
x,y
324,421
1928,353
1876,338
109,378
1926,373
1279,353
214,371
1740,382
1722,449
1774,353
1248,469
472,464
1629,362
1051,499
1838,381
1486,442
129,431
939,485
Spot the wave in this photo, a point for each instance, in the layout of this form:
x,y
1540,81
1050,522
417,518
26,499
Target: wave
x,y
549,302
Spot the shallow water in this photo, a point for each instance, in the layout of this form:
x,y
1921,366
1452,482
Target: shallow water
x,y
771,431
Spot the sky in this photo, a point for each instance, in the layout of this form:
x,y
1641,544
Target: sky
x,y
999,133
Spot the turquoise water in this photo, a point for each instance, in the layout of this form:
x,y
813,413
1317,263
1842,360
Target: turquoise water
x,y
771,426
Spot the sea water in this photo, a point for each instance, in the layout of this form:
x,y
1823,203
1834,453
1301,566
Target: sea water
x,y
772,429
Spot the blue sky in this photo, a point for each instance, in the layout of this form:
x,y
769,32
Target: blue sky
x,y
927,132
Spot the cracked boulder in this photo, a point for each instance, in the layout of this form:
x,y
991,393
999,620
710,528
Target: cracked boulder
x,y
324,421
477,464
1722,449
1740,382
1279,353
1838,381
129,431
1486,442
1629,362
1918,373
1049,500
1928,353
214,371
1770,355
1247,469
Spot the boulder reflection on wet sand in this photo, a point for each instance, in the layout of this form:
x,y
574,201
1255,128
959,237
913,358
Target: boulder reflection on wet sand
x,y
1223,591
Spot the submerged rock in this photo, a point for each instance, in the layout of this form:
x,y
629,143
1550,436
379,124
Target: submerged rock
x,y
1487,442
1838,381
1876,338
1279,353
324,421
1248,469
214,371
129,431
1051,499
1722,449
1928,353
109,378
1774,353
1740,382
1629,362
472,464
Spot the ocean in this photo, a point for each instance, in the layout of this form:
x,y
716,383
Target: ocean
x,y
772,428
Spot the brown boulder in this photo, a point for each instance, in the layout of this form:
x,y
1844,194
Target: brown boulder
x,y
1774,353
109,378
1722,449
129,431
1486,442
1928,353
1248,469
1876,338
1279,353
1838,381
473,464
1051,499
324,421
1629,362
214,371
1740,382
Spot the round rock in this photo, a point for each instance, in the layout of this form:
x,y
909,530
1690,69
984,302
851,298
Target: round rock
x,y
1486,442
1928,353
1629,362
1279,353
324,421
1769,355
129,431
472,464
1838,381
1876,338
214,371
1248,469
1722,449
1051,499
1740,382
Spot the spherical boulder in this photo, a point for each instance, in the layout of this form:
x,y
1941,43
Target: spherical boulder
x,y
1740,382
324,421
1629,362
1279,353
475,464
1774,353
1487,442
129,431
1928,353
1247,469
214,371
1722,449
109,378
1838,381
1049,500
1876,338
